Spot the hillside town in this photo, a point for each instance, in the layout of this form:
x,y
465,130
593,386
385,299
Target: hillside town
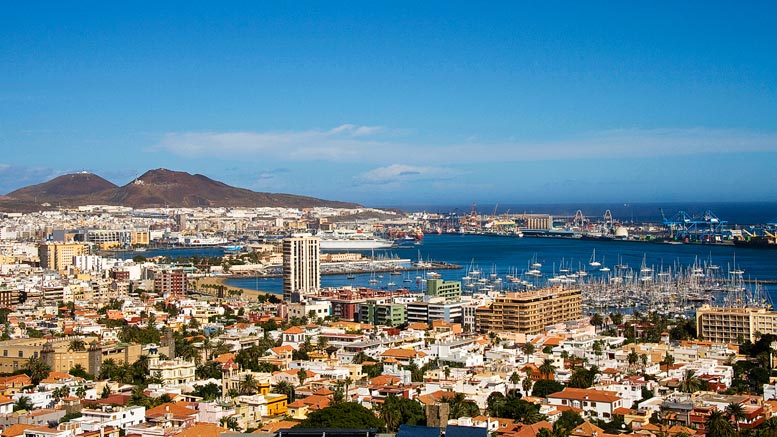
x,y
97,345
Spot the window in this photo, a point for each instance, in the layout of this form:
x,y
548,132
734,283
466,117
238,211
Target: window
x,y
21,354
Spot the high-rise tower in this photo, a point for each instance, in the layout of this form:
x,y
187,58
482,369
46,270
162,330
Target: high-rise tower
x,y
301,267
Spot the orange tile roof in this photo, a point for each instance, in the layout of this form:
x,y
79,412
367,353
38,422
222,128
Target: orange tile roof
x,y
294,330
585,394
225,358
15,429
202,429
403,353
170,407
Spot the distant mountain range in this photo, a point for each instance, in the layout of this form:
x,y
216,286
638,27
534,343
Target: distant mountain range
x,y
155,188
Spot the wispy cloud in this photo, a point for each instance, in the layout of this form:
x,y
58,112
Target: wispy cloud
x,y
401,173
15,176
345,142
376,145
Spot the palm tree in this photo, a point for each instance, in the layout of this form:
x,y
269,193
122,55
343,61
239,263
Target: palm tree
x,y
23,403
667,361
37,369
248,385
348,381
284,388
616,318
390,412
597,320
718,425
81,391
547,368
526,385
735,413
77,345
690,382
229,422
644,359
514,379
527,349
597,348
633,358
302,375
322,342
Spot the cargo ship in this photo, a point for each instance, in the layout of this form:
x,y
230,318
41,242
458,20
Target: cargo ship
x,y
758,242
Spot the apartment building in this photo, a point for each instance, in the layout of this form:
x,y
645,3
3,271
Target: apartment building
x,y
530,313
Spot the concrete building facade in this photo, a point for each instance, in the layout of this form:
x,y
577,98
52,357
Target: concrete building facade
x,y
301,267
530,313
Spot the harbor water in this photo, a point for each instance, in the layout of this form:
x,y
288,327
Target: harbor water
x,y
503,256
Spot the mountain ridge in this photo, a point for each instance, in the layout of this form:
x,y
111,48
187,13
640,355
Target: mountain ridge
x,y
154,188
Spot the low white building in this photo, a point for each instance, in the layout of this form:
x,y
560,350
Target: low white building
x,y
171,372
119,417
594,403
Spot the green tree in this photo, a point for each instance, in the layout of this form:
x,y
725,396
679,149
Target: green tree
x,y
547,368
284,388
79,372
544,387
526,385
496,404
37,369
527,349
616,318
302,375
347,415
597,320
208,392
569,420
718,425
229,422
23,403
690,383
77,345
398,410
668,361
460,406
248,385
735,413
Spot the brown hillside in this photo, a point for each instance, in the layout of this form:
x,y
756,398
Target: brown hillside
x,y
155,188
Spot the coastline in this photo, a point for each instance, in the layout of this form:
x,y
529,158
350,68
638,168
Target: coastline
x,y
221,280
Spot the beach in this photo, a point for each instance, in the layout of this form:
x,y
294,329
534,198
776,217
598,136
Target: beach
x,y
202,284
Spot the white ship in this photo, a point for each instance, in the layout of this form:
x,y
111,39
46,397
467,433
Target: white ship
x,y
202,241
352,241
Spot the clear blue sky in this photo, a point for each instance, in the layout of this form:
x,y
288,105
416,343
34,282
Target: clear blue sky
x,y
395,103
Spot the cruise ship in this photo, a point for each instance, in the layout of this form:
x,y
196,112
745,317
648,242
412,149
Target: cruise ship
x,y
338,240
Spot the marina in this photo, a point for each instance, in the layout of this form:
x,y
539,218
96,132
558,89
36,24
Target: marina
x,y
659,275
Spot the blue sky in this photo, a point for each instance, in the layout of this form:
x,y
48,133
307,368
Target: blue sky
x,y
397,103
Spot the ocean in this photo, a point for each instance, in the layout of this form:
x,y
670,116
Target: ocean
x,y
741,213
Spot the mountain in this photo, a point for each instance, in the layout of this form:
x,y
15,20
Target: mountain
x,y
155,188
63,189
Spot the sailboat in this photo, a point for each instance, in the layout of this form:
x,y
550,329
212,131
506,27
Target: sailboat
x,y
594,262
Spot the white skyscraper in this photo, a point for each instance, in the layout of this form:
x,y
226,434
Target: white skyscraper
x,y
301,267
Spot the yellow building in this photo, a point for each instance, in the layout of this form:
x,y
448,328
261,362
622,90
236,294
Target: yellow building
x,y
60,356
730,325
531,312
59,256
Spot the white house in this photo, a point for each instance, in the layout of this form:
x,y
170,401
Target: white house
x,y
595,403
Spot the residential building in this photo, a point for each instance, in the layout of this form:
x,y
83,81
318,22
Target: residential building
x,y
59,256
382,314
530,312
301,267
595,403
444,289
170,281
734,324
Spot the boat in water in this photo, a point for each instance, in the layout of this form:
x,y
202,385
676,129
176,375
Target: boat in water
x,y
352,241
